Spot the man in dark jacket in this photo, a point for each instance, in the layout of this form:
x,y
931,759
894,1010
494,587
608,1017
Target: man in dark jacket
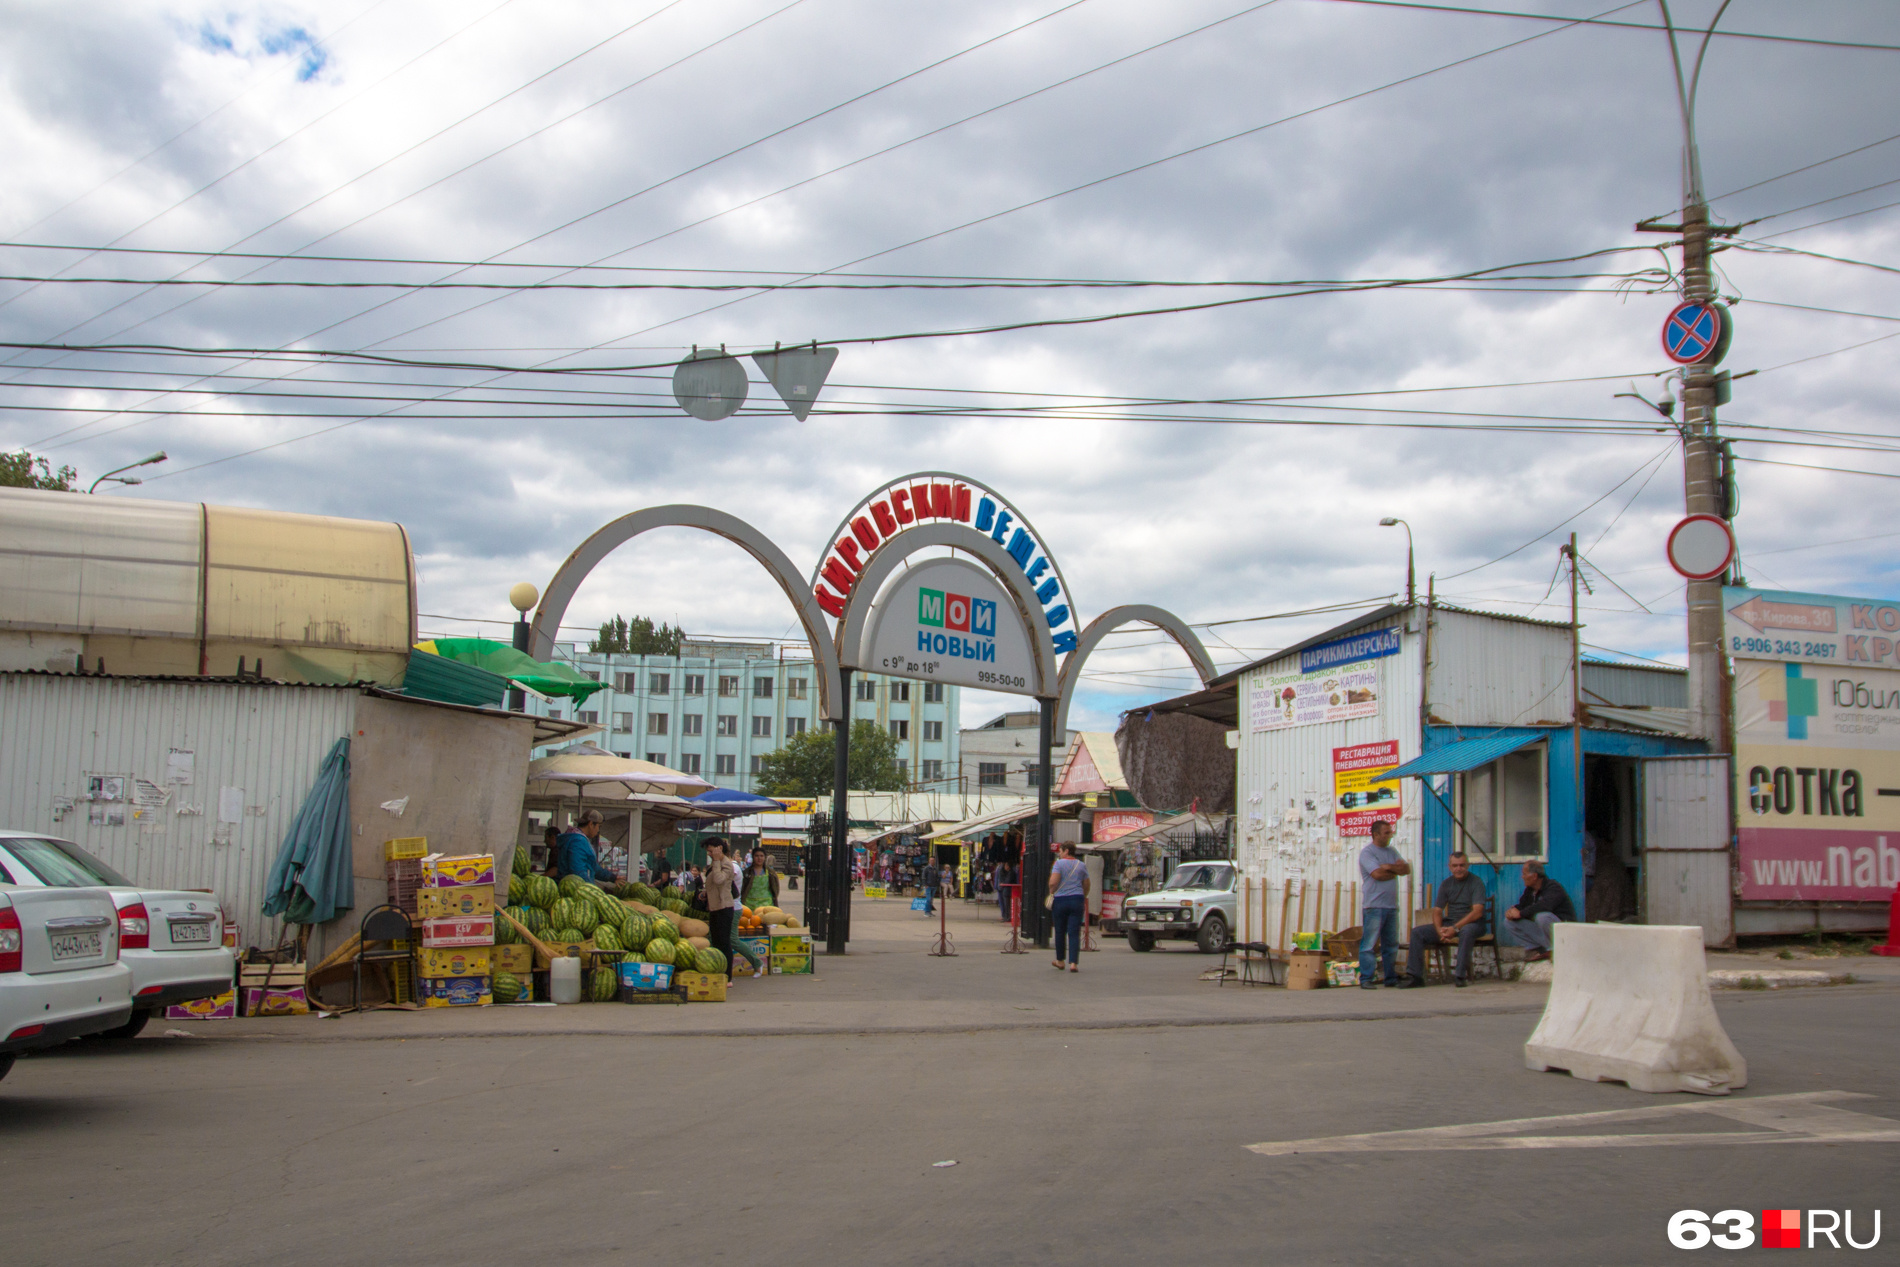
x,y
1542,904
932,879
575,852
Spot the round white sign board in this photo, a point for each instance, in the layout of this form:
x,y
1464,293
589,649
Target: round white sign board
x,y
1700,547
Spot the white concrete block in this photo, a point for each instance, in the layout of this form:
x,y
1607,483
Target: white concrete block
x,y
1631,1004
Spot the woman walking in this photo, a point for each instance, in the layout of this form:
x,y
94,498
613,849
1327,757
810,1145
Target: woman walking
x,y
1069,895
762,888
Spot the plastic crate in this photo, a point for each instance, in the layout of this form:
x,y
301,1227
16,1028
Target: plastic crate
x,y
404,877
405,847
402,982
676,994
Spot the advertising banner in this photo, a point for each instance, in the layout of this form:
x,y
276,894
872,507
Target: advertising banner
x,y
1360,797
948,621
1366,646
1110,823
1811,628
1817,774
1285,700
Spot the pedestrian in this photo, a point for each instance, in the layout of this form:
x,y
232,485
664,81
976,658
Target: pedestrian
x,y
575,853
1068,898
1005,889
551,841
932,879
1542,904
721,896
1380,865
762,889
950,886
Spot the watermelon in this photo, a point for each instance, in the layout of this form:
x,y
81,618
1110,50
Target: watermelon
x,y
505,934
570,885
673,904
693,912
521,861
566,935
711,960
607,937
637,931
535,918
646,893
603,985
633,956
586,915
542,891
505,987
663,930
659,951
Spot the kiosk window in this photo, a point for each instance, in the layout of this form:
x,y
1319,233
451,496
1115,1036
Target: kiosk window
x,y
1502,804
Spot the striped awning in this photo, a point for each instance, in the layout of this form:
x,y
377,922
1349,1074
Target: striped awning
x,y
1466,754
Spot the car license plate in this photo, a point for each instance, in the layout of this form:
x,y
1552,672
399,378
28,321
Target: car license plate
x,y
196,930
76,945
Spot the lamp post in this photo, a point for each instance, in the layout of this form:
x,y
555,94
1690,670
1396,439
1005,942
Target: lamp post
x,y
1411,587
113,475
522,598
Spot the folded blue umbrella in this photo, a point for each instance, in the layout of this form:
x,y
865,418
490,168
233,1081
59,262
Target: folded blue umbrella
x,y
310,881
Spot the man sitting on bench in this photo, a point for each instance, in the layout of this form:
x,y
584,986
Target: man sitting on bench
x,y
1457,917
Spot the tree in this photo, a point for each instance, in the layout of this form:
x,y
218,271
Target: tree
x,y
806,765
638,636
17,471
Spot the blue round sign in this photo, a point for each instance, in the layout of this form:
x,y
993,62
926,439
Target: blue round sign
x,y
1692,333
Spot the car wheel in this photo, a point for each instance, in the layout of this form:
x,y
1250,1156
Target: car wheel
x,y
131,1028
1138,940
1213,934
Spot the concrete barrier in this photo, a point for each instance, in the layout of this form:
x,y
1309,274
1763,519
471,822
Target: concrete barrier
x,y
1631,1004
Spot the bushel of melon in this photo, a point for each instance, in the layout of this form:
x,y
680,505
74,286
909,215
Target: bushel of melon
x,y
698,943
694,928
640,907
672,917
505,987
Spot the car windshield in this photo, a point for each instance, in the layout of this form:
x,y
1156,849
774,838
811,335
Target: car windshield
x,y
60,865
1200,877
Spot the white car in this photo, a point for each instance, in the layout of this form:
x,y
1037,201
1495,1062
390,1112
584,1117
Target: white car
x,y
1198,904
60,974
172,940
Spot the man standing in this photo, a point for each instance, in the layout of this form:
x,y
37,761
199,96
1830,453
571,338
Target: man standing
x,y
1380,865
1542,904
1001,882
575,851
1457,916
722,887
932,878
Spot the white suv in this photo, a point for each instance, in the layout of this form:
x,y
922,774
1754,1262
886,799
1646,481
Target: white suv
x,y
60,975
172,940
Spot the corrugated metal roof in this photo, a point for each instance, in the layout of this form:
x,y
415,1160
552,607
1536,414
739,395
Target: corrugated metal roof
x,y
1466,754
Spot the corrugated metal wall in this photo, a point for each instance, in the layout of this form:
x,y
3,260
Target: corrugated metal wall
x,y
1632,686
1492,672
268,741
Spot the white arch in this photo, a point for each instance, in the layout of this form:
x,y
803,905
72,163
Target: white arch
x,y
567,580
1109,621
879,567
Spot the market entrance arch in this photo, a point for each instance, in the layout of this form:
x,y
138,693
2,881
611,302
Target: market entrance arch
x,y
1107,623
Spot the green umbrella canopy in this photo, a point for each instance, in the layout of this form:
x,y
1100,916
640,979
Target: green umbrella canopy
x,y
518,666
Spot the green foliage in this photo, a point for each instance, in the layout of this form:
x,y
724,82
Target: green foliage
x,y
638,636
24,470
804,766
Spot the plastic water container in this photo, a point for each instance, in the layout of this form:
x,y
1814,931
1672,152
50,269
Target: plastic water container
x,y
565,979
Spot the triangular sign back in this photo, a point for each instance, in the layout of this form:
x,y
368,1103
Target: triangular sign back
x,y
797,374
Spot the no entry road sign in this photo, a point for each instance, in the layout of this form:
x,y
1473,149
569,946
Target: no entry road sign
x,y
1692,332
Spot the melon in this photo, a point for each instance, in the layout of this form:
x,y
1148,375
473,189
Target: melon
x,y
642,908
672,918
586,915
505,987
691,928
521,861
570,885
673,905
694,912
505,934
661,951
607,937
603,985
542,891
517,888
566,935
637,931
698,943
633,956
535,918
791,921
712,959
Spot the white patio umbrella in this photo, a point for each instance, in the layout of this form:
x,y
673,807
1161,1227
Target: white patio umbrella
x,y
591,771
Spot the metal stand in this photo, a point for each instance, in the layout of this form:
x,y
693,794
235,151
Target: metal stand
x,y
944,947
1089,939
1014,946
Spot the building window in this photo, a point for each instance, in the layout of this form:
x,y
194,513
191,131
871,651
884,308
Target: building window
x,y
554,714
1502,804
761,688
624,756
867,689
591,718
903,769
659,758
991,774
900,692
728,724
933,732
794,726
1034,775
656,723
728,686
623,723
725,763
933,692
900,730
689,763
695,684
693,724
758,766
795,688
625,682
593,674
933,771
761,727
660,683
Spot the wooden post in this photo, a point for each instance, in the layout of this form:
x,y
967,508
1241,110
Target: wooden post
x,y
1246,909
1410,909
1337,886
1286,898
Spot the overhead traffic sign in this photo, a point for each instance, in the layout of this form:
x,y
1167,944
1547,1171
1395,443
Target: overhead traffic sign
x,y
1692,333
1701,547
709,384
796,374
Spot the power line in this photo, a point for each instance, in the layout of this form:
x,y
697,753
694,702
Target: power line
x,y
1757,248
1852,215
1885,140
1838,470
1633,26
1776,215
1566,519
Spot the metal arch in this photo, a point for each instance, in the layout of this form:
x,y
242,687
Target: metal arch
x,y
883,564
1109,621
610,536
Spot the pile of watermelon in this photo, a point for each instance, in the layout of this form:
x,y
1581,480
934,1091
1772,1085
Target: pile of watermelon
x,y
666,931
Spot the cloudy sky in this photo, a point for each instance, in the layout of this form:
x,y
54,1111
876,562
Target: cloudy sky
x,y
849,143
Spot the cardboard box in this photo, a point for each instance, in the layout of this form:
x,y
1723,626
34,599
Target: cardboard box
x,y
478,930
452,961
516,959
1306,970
791,965
405,847
562,950
222,1008
456,992
275,1001
677,994
442,871
646,976
473,899
798,943
703,987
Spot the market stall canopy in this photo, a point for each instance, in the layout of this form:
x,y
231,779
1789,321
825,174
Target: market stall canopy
x,y
1093,766
1212,823
866,835
517,666
1466,754
982,824
727,803
585,767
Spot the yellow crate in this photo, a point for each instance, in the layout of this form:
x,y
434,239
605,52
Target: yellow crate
x,y
791,965
702,987
405,847
455,961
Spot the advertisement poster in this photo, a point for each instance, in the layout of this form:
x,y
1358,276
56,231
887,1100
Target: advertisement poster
x,y
1817,772
1781,625
1360,797
1285,700
1110,823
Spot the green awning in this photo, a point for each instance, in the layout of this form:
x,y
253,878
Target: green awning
x,y
517,666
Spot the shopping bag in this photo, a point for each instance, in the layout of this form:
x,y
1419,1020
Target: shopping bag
x,y
920,904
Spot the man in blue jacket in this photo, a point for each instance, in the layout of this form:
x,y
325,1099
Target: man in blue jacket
x,y
574,852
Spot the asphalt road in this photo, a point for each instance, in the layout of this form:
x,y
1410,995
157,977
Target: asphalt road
x,y
1117,1145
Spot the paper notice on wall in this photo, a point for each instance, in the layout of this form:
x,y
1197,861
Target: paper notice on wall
x,y
230,804
179,764
146,792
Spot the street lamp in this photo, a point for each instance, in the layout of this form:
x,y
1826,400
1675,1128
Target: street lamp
x,y
1411,588
522,598
113,475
